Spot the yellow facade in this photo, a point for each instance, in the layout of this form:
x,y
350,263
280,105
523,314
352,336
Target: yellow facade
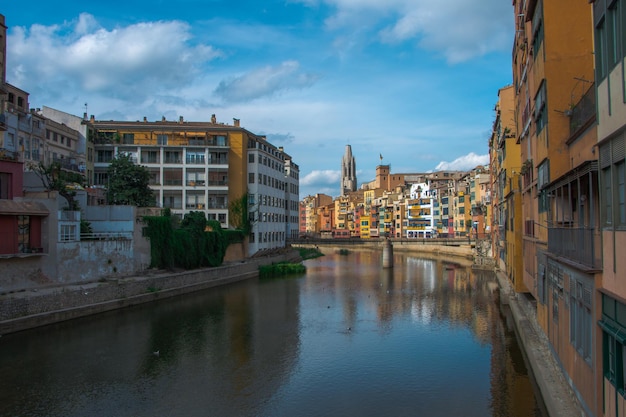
x,y
552,76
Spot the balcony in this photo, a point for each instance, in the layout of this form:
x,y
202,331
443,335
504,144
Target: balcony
x,y
583,113
579,245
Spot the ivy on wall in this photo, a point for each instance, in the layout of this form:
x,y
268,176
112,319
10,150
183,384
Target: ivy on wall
x,y
194,243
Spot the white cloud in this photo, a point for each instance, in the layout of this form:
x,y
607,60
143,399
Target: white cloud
x,y
459,29
265,81
463,163
131,62
325,177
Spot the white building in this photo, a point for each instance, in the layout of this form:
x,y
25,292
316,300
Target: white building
x,y
420,211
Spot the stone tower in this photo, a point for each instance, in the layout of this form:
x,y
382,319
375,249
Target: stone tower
x,y
348,172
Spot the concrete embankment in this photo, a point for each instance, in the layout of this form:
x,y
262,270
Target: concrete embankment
x,y
31,308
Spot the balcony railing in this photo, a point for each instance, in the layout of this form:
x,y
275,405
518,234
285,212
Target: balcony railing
x,y
580,245
583,111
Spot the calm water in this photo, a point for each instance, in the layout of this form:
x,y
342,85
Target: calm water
x,y
348,338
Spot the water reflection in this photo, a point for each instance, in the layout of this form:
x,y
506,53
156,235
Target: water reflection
x,y
348,338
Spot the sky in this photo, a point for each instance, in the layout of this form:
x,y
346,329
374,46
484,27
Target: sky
x,y
413,81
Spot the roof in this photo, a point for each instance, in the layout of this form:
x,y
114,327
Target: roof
x,y
12,207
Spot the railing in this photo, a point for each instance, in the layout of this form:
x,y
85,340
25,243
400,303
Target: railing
x,y
583,111
7,155
122,235
581,245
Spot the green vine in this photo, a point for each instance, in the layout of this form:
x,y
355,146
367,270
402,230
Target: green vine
x,y
196,243
238,214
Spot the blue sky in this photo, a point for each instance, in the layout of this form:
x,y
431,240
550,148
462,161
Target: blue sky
x,y
413,80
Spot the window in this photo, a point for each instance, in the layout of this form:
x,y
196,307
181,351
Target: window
x,y
541,115
601,51
149,157
251,158
580,317
613,182
101,178
613,35
5,186
128,138
172,157
537,30
103,156
161,139
67,233
195,157
613,343
621,190
23,233
35,151
251,178
220,140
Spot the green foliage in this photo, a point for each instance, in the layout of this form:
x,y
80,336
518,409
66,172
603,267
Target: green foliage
x,y
280,269
85,227
159,231
195,244
128,183
64,182
309,253
234,236
238,214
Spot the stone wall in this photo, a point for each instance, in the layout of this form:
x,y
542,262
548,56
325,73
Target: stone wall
x,y
37,307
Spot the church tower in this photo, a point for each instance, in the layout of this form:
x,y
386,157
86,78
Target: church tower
x,y
348,172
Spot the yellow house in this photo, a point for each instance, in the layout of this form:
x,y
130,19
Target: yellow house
x,y
552,77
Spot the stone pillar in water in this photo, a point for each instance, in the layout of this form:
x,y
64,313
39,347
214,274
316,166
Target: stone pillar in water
x,y
387,254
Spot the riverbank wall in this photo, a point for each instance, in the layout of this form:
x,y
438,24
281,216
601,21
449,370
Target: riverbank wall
x,y
30,308
557,395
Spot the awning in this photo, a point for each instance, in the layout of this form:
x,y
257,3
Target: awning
x,y
31,208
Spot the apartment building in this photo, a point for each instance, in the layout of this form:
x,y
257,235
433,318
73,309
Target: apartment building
x,y
506,168
81,153
205,166
420,207
480,192
553,83
609,19
309,216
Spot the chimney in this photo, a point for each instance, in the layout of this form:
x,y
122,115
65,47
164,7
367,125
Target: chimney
x,y
163,118
213,119
145,119
180,119
85,116
236,121
92,119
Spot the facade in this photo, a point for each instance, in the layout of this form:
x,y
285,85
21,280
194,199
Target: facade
x,y
609,19
348,172
552,77
480,193
309,216
507,171
81,153
205,166
420,207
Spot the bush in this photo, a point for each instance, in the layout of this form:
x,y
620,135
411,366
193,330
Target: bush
x,y
280,269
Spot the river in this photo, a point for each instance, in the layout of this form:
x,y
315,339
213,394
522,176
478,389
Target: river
x,y
347,338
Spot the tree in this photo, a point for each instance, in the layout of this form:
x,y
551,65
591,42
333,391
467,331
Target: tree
x,y
54,178
128,183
